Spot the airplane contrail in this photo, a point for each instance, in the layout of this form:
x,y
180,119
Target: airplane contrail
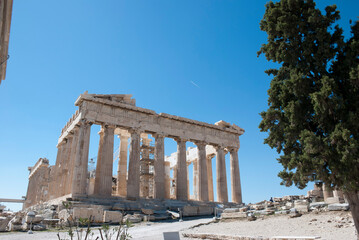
x,y
194,84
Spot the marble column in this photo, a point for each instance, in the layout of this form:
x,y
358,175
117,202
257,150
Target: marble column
x,y
66,164
167,180
54,174
79,181
72,156
195,179
181,181
133,181
159,166
188,192
235,176
222,192
104,167
61,168
327,192
210,178
202,172
122,167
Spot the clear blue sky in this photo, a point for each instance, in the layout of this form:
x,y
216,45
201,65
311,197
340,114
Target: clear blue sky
x,y
196,59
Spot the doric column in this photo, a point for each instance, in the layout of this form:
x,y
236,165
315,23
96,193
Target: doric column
x,y
327,192
79,181
222,191
66,164
210,178
103,180
195,179
133,181
122,167
167,180
235,176
159,166
59,184
188,192
72,157
202,172
181,181
54,174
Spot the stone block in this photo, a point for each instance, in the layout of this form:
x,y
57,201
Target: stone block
x,y
243,209
338,207
190,211
318,205
39,227
205,210
119,207
230,210
289,205
4,221
147,211
36,219
51,222
332,200
233,215
112,216
258,207
302,208
64,215
282,212
14,227
96,214
132,218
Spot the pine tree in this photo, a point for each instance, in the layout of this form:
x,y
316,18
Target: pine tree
x,y
313,115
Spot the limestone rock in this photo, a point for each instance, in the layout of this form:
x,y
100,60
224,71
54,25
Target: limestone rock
x,y
147,211
112,216
230,210
36,219
14,227
190,211
226,215
205,210
132,218
51,222
38,227
318,205
64,215
338,207
96,214
4,221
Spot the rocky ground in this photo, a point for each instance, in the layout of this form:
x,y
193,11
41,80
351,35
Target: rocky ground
x,y
333,225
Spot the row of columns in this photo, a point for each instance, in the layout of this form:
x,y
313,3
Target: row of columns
x,y
73,155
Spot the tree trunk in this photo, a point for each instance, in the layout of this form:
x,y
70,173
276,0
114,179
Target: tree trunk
x,y
353,200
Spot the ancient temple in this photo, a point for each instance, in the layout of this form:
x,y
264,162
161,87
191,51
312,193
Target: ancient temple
x,y
145,173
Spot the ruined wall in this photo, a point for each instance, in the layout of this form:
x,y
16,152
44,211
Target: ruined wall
x,y
38,188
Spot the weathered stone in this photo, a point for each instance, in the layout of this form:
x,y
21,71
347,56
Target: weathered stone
x,y
51,222
205,210
112,216
282,212
4,221
233,215
230,210
132,218
64,215
147,211
243,209
301,205
95,214
338,207
318,205
14,227
258,207
39,227
36,219
190,211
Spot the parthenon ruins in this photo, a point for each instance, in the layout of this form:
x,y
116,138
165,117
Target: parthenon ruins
x,y
145,173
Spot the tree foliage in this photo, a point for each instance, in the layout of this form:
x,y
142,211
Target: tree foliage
x,y
313,114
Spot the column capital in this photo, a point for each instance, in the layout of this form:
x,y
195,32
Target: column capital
x,y
201,144
158,135
232,149
180,140
135,131
85,121
219,147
